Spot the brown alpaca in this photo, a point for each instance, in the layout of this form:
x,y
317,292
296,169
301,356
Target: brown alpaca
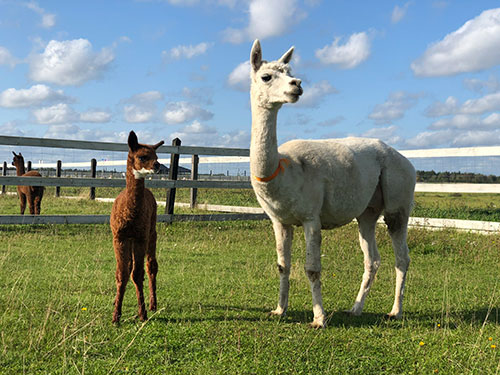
x,y
133,223
33,194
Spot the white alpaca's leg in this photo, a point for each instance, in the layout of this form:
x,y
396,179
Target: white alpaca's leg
x,y
284,235
401,251
367,223
312,232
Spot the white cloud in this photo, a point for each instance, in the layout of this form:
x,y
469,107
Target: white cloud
x,y
438,109
348,55
137,114
6,58
12,128
95,116
70,131
457,122
62,113
454,138
432,139
198,134
181,112
394,107
57,114
398,13
142,107
472,47
386,134
314,94
239,78
487,103
187,52
468,122
492,84
477,138
70,62
195,128
35,95
48,19
267,18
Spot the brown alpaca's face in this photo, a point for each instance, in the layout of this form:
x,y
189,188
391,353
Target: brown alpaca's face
x,y
17,160
142,158
144,161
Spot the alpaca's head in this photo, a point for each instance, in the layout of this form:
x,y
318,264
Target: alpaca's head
x,y
271,82
18,160
142,158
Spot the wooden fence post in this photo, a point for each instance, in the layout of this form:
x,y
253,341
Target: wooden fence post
x,y
4,173
58,174
93,173
194,176
29,165
172,175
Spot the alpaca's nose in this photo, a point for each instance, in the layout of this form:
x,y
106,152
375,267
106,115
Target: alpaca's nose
x,y
295,82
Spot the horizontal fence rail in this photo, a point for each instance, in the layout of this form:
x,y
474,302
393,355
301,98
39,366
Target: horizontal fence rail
x,y
120,182
123,147
104,219
212,155
428,187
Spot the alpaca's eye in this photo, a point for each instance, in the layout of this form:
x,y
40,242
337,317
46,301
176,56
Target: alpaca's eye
x,y
266,77
142,159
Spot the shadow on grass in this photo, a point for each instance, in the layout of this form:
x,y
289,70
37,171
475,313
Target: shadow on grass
x,y
220,313
338,319
453,319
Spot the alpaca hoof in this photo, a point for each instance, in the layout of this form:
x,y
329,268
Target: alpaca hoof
x,y
318,324
393,316
352,312
278,312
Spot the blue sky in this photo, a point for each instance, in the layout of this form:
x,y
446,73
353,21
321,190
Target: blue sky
x,y
417,74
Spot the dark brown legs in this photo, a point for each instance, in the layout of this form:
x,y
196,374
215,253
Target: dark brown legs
x,y
130,262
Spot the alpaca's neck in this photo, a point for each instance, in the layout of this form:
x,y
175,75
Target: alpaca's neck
x,y
20,169
135,188
264,157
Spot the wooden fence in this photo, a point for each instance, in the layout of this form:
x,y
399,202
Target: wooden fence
x,y
172,183
169,184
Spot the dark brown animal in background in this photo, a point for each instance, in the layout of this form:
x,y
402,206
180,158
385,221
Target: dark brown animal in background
x,y
32,194
133,223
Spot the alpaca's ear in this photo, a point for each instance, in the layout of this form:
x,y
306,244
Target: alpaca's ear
x,y
133,143
285,59
158,144
256,56
14,153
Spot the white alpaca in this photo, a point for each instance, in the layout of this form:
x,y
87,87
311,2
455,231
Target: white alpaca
x,y
324,184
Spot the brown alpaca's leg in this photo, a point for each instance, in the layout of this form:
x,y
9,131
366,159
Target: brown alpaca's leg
x,y
38,203
38,200
22,201
31,203
138,277
152,269
123,266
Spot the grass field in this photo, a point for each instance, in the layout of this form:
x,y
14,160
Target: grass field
x,y
217,281
485,207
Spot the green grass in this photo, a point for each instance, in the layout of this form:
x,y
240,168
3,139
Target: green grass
x,y
216,283
484,207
